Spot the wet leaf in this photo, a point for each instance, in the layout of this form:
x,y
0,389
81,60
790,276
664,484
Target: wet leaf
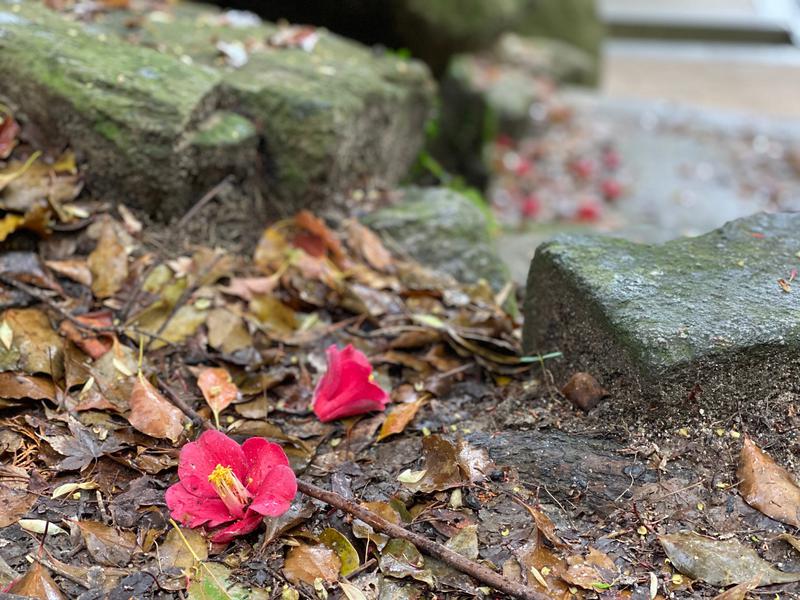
x,y
596,571
351,591
400,558
306,562
739,592
174,553
37,583
15,498
108,262
16,386
106,545
363,531
213,582
153,414
442,470
399,417
35,347
768,487
720,562
465,542
338,542
218,389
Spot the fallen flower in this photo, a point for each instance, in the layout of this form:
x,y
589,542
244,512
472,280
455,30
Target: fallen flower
x,y
222,482
347,388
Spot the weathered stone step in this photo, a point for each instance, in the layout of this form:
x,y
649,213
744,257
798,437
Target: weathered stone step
x,y
691,324
135,94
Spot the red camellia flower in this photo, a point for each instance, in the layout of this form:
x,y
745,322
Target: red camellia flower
x,y
347,387
222,482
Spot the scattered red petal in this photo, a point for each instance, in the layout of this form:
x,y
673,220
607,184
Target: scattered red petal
x,y
531,206
589,210
347,389
612,189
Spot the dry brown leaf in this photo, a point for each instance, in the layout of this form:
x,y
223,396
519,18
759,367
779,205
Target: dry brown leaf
x,y
94,345
75,269
227,331
768,487
399,417
305,563
367,243
218,389
739,592
108,263
37,583
317,238
153,414
106,545
16,386
247,287
271,249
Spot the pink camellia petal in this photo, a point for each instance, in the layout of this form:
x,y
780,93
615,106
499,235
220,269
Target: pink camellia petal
x,y
249,522
261,457
346,388
192,511
198,459
277,492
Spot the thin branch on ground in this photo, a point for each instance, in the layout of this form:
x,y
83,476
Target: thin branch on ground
x,y
453,559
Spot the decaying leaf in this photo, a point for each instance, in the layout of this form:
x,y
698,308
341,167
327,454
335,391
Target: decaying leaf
x,y
15,497
213,582
399,417
768,487
35,346
363,531
720,562
441,466
465,542
338,542
174,553
308,562
218,389
108,262
400,558
153,414
739,592
226,331
368,245
9,129
37,583
106,545
81,447
595,571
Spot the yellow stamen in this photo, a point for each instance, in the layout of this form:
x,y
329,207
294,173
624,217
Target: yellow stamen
x,y
230,489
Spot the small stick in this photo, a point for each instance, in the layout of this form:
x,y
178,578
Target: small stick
x,y
185,408
206,198
455,560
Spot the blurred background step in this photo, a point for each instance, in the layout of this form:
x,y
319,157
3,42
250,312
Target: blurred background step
x,y
765,21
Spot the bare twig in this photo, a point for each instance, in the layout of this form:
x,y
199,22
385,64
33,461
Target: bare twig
x,y
453,559
185,408
205,199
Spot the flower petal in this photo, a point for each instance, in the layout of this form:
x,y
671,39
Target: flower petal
x,y
192,510
199,458
346,388
277,492
249,522
261,456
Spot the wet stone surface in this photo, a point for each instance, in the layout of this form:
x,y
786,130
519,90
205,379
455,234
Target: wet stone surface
x,y
693,322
